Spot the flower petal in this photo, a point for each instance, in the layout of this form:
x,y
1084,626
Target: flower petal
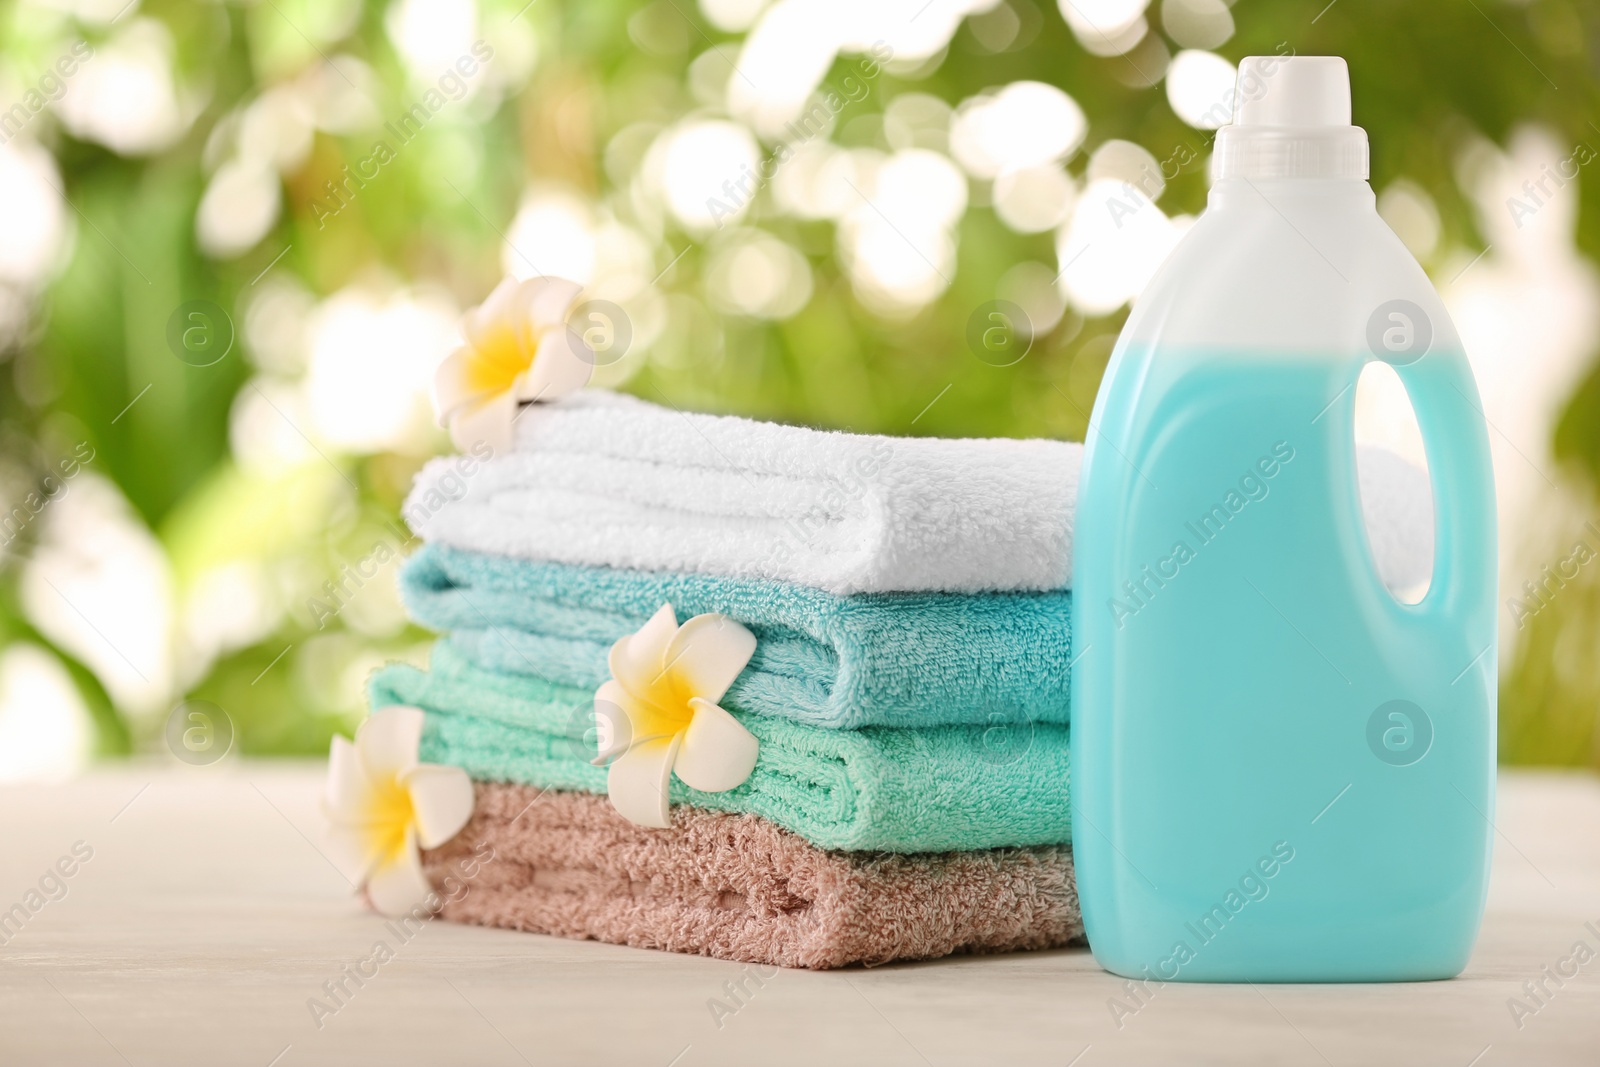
x,y
482,323
387,742
353,848
397,885
717,753
563,364
441,800
615,713
545,301
707,654
636,659
638,781
489,420
452,385
348,790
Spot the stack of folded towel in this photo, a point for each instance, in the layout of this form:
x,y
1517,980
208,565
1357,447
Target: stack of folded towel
x,y
907,691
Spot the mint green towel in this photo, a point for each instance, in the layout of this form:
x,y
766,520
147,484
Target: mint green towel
x,y
874,659
947,788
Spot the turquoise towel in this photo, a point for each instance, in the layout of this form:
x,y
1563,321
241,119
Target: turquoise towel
x,y
928,790
874,659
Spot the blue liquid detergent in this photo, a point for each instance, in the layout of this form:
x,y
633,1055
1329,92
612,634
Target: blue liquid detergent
x,y
1281,772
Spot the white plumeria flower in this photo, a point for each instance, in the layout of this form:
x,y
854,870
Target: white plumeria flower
x,y
665,683
385,806
518,348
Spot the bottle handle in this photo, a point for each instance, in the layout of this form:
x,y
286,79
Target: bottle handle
x,y
1444,396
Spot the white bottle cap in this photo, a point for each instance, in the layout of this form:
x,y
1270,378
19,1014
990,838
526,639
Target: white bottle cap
x,y
1291,119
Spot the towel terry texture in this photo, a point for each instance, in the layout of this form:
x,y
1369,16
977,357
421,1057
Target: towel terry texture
x,y
933,789
738,888
602,478
874,659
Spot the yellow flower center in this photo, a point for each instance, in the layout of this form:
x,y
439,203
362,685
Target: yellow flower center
x,y
666,701
390,814
493,368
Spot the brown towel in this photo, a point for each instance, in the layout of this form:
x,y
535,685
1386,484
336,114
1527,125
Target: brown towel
x,y
740,888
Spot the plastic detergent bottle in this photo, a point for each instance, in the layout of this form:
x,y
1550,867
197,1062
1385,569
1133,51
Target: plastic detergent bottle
x,y
1281,771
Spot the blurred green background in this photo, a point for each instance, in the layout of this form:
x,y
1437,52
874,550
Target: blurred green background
x,y
217,340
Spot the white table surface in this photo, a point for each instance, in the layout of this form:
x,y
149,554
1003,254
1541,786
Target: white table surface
x,y
207,917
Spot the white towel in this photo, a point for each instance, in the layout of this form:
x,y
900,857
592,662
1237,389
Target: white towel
x,y
605,479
